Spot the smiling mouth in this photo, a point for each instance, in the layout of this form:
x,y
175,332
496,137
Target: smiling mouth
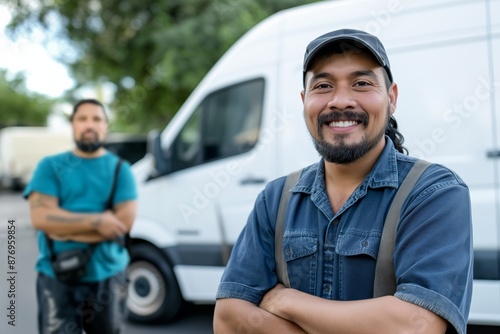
x,y
343,124
343,119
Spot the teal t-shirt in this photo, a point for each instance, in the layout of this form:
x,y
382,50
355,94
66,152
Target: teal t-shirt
x,y
83,185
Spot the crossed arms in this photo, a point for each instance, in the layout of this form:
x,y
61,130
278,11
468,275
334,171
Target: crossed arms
x,y
60,224
285,310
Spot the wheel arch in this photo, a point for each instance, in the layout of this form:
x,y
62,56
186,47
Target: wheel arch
x,y
145,246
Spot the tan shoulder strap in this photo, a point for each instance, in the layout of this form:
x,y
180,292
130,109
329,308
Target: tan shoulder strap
x,y
281,268
385,278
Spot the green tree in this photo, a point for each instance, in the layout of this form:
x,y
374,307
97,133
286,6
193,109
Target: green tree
x,y
19,106
153,52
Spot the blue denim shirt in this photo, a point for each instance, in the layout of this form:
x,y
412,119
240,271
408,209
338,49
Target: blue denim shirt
x,y
333,255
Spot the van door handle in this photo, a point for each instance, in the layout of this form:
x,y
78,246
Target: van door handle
x,y
493,154
252,180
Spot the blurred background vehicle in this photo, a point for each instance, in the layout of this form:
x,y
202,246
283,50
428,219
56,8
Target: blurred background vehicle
x,y
22,147
131,147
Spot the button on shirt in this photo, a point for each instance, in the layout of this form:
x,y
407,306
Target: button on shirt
x,y
333,255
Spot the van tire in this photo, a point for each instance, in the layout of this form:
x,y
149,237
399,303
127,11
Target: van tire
x,y
153,292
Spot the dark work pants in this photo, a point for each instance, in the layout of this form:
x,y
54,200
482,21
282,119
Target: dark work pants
x,y
97,307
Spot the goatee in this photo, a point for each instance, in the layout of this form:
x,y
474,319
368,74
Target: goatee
x,y
89,145
342,153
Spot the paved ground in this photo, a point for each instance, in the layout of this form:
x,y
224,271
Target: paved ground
x,y
196,319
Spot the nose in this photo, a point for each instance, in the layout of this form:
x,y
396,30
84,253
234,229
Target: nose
x,y
90,123
342,98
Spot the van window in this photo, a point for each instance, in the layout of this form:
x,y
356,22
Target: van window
x,y
226,123
129,147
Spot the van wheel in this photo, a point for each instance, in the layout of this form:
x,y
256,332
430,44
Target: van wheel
x,y
153,292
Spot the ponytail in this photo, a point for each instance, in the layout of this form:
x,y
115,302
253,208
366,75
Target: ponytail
x,y
396,137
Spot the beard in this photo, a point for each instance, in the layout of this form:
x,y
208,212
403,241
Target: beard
x,y
341,152
88,145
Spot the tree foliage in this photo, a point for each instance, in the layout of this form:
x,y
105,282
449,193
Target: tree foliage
x,y
19,106
153,52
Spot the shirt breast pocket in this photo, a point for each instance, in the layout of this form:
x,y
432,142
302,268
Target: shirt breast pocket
x,y
301,253
357,251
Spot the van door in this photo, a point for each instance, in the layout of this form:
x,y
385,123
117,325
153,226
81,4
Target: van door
x,y
215,169
447,115
486,297
214,155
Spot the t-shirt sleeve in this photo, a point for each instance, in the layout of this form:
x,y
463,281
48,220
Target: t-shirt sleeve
x,y
126,188
44,180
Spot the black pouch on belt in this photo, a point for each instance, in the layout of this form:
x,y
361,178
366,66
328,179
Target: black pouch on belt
x,y
69,266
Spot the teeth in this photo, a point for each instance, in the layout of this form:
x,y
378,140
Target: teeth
x,y
342,124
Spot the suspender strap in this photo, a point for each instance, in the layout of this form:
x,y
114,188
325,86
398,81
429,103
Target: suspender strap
x,y
385,277
281,268
109,203
125,240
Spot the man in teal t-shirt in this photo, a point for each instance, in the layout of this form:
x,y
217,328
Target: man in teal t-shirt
x,y
68,197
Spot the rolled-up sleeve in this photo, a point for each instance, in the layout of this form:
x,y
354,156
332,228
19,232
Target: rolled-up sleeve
x,y
251,271
434,252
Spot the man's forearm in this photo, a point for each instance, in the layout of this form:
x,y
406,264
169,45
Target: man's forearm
x,y
62,222
239,316
87,237
46,215
126,213
379,315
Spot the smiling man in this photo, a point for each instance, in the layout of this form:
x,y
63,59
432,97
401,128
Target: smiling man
x,y
336,213
81,283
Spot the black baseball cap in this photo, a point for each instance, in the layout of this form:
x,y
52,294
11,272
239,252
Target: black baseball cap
x,y
361,39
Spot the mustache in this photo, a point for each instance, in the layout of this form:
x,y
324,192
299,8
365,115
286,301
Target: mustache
x,y
93,132
90,131
347,115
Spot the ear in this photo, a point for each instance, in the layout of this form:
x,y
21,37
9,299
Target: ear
x,y
302,94
393,97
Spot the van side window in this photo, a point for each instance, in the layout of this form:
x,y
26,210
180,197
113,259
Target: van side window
x,y
226,123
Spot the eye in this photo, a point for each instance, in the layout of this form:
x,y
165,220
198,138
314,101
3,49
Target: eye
x,y
323,86
362,83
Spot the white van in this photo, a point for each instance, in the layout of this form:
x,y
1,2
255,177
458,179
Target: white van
x,y
243,127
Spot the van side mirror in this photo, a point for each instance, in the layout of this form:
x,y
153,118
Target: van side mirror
x,y
155,149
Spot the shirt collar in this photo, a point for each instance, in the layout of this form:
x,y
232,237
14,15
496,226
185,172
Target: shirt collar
x,y
385,171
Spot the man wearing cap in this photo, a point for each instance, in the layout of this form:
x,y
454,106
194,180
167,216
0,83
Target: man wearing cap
x,y
336,213
77,213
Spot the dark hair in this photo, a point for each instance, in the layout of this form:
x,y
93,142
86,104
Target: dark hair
x,y
84,101
392,126
397,138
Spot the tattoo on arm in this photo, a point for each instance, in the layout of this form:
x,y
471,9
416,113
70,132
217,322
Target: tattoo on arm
x,y
96,222
39,201
60,219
